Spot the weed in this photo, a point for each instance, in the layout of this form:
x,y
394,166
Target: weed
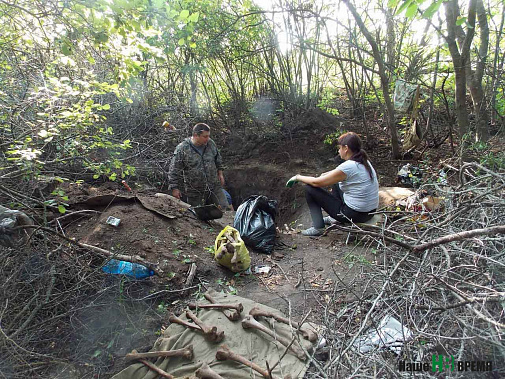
x,y
162,307
352,259
210,249
187,259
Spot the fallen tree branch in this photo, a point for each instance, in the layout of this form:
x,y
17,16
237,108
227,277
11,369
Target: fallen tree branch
x,y
107,253
368,233
500,229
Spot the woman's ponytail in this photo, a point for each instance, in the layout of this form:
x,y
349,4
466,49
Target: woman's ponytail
x,y
353,142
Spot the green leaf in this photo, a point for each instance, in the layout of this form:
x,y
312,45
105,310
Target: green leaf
x,y
460,20
61,209
96,176
101,37
192,45
184,14
411,10
106,107
432,9
406,3
66,49
194,17
393,3
182,41
113,176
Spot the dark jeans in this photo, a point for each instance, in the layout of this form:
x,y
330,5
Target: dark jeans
x,y
333,203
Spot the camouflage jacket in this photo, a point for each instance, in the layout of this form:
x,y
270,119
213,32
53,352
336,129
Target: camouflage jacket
x,y
191,171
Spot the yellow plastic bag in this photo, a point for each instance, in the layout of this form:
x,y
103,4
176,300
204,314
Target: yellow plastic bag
x,y
230,250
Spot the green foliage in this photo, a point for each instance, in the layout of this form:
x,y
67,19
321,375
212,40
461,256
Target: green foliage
x,y
210,249
352,259
68,124
487,157
327,102
411,7
162,307
332,138
500,102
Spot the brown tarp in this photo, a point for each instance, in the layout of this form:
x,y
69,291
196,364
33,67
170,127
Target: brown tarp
x,y
251,344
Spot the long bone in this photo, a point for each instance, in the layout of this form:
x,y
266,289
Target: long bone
x,y
250,323
210,332
156,369
205,372
237,307
232,316
213,337
186,352
306,333
224,353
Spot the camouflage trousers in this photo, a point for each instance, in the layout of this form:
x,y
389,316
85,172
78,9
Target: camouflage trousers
x,y
206,197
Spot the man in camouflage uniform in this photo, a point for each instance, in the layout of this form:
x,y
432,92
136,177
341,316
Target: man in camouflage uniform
x,y
196,170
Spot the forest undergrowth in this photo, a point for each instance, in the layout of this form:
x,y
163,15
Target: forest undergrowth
x,y
440,274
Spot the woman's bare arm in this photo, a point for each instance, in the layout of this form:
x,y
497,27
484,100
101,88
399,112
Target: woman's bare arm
x,y
327,179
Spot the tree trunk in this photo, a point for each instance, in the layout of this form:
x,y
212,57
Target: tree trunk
x,y
460,59
495,80
390,113
475,77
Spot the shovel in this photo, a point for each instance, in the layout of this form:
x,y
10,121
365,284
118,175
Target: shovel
x,y
203,212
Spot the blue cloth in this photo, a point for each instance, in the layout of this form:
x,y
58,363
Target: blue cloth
x,y
228,196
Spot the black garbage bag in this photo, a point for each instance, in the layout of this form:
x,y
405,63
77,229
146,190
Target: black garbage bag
x,y
255,221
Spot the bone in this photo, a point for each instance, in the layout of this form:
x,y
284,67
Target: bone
x,y
156,369
237,306
306,333
234,259
224,353
250,323
186,353
174,319
222,253
229,237
211,332
205,372
212,336
230,315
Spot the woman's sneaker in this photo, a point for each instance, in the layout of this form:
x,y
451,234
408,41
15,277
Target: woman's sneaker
x,y
328,220
313,232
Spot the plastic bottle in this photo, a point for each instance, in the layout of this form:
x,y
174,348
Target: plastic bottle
x,y
133,270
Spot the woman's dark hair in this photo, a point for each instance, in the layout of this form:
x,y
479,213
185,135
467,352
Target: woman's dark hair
x,y
353,142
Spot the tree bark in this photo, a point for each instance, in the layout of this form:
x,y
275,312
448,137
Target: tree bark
x,y
390,112
461,59
475,77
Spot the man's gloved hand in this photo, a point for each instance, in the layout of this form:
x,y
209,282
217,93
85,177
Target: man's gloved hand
x,y
291,181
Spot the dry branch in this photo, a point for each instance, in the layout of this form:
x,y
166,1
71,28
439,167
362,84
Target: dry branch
x,y
500,229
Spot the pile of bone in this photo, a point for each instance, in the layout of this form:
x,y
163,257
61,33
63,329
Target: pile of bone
x,y
213,334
